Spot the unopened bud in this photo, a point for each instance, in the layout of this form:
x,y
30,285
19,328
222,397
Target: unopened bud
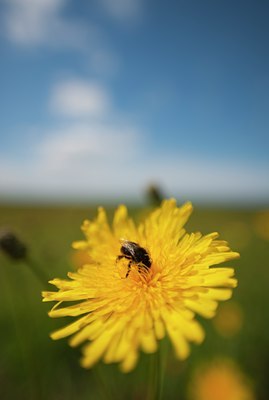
x,y
11,245
154,194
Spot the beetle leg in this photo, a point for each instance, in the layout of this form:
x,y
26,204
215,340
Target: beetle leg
x,y
120,257
129,269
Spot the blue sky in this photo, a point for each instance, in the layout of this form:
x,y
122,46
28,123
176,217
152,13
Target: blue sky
x,y
101,98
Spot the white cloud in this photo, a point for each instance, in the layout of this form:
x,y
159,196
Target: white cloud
x,y
78,98
41,22
122,10
27,21
36,23
86,145
79,159
87,161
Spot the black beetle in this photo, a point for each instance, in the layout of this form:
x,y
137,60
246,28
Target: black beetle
x,y
136,255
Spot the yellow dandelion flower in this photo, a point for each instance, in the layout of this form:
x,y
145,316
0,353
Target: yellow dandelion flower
x,y
220,379
128,301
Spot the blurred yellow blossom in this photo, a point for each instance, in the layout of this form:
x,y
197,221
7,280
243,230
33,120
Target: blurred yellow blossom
x,y
127,303
220,379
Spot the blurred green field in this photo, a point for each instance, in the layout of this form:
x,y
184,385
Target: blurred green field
x,y
32,366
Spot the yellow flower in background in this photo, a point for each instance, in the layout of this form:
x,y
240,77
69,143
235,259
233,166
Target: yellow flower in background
x,y
220,379
128,301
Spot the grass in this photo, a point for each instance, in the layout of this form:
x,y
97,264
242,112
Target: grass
x,y
32,366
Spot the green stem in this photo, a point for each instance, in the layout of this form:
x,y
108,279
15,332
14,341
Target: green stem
x,y
104,391
156,376
38,272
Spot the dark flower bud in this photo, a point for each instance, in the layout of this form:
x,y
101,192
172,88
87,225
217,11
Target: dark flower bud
x,y
11,245
154,194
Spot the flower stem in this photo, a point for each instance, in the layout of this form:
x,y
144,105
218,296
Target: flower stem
x,y
17,250
36,270
104,390
156,376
